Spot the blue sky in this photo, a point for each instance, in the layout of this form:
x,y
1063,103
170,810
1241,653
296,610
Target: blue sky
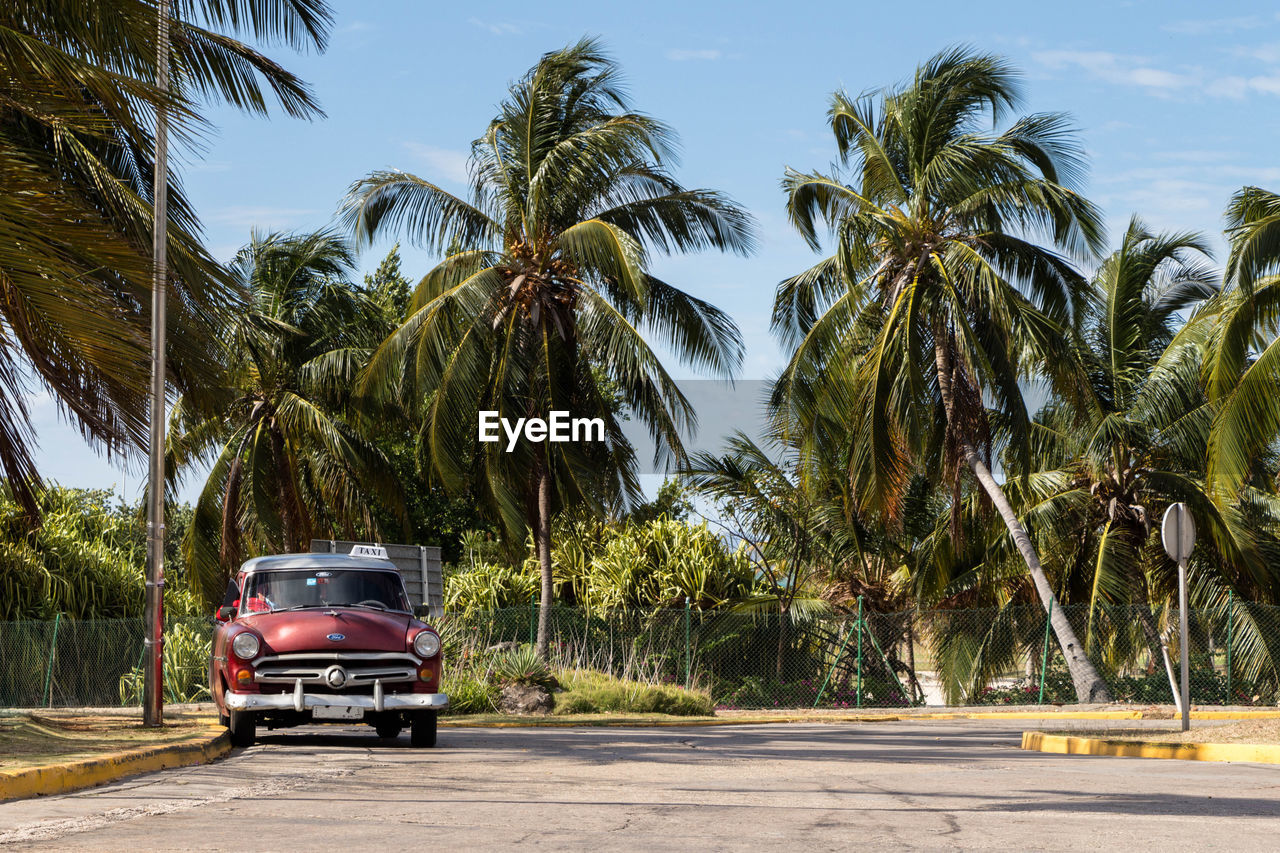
x,y
1178,105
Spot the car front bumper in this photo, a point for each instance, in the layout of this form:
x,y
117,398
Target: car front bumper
x,y
299,700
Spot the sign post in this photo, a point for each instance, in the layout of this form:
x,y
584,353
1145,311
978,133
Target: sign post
x,y
1178,533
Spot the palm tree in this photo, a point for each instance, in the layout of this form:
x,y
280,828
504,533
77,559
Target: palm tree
x,y
779,520
938,298
77,104
1108,463
1244,365
287,462
544,291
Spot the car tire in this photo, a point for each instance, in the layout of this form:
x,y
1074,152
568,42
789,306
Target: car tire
x,y
388,731
243,727
422,732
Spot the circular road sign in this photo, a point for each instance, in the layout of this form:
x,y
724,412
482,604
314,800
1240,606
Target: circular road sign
x,y
1178,532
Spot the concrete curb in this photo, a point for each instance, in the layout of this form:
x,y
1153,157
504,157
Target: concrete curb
x,y
1067,745
86,773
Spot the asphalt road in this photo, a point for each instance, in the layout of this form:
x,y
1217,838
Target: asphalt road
x,y
898,785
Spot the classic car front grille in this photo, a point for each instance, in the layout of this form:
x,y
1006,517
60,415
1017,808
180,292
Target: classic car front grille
x,y
361,670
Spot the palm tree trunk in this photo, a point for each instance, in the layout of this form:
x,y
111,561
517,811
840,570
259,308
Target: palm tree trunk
x,y
1088,682
290,505
1150,631
782,643
230,545
542,543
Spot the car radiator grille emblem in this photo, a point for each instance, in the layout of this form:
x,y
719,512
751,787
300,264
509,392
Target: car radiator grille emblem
x,y
337,638
335,677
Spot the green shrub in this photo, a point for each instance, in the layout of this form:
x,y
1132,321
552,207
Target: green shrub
x,y
489,586
186,667
523,666
598,693
638,565
469,694
85,560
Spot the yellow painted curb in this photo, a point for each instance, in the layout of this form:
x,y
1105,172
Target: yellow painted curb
x,y
88,772
1066,745
1033,715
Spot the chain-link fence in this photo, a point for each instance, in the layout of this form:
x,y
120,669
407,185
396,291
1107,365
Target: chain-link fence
x,y
744,660
98,662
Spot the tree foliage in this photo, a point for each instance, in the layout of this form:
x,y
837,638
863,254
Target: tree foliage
x,y
78,101
289,459
546,289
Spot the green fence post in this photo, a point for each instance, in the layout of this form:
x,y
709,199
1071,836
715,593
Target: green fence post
x,y
533,620
48,670
1230,635
859,651
688,652
1044,657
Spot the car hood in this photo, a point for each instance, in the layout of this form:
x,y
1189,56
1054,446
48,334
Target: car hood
x,y
314,630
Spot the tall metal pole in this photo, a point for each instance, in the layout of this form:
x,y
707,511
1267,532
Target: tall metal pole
x,y
153,668
1178,533
1185,641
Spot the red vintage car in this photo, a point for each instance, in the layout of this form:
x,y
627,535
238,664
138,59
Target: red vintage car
x,y
324,638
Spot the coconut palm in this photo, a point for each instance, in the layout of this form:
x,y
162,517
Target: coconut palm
x,y
1244,366
784,525
939,296
77,104
1107,464
544,292
286,462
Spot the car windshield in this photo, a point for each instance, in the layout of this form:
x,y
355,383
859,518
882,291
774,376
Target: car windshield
x,y
295,589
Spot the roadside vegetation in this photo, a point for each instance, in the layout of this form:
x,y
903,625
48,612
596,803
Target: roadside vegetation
x,y
475,687
33,739
986,406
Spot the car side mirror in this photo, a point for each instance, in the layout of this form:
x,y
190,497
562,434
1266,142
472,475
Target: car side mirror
x,y
226,614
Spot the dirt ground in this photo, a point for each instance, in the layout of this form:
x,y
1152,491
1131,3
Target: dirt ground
x,y
30,739
1243,731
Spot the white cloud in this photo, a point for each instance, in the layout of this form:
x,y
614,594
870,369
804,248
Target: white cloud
x,y
1270,85
684,55
1195,156
250,216
1156,79
1116,68
1120,69
447,163
1231,87
498,28
1269,53
1207,26
355,27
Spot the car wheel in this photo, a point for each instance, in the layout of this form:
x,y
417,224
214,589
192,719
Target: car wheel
x,y
243,727
388,731
422,732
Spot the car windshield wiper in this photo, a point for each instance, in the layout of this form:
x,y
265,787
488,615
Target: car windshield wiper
x,y
296,607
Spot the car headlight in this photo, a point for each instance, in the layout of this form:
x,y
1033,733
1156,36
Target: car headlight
x,y
246,645
426,644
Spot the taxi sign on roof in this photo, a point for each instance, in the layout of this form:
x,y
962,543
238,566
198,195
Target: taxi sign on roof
x,y
375,551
